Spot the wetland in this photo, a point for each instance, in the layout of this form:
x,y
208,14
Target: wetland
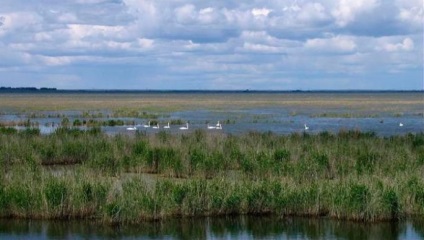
x,y
70,156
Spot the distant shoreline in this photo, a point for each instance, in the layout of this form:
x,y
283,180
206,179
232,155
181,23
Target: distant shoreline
x,y
55,90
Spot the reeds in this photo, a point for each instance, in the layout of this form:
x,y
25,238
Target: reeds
x,y
349,175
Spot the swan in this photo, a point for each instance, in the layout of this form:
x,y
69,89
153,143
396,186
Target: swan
x,y
131,128
400,124
218,124
306,127
166,126
219,127
147,125
184,128
156,127
211,127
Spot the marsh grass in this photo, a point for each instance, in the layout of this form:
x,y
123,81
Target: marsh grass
x,y
138,104
348,175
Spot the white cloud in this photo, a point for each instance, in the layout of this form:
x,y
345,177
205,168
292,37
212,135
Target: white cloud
x,y
146,43
261,12
406,45
411,12
312,12
333,44
185,14
347,10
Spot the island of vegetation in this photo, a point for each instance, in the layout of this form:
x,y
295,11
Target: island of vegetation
x,y
74,174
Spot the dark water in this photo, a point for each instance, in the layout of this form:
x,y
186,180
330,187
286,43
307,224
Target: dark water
x,y
214,228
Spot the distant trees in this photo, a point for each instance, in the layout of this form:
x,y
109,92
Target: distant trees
x,y
26,89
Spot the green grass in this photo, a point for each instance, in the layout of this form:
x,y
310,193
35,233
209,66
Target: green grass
x,y
128,179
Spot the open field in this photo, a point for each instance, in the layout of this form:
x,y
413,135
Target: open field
x,y
128,179
395,103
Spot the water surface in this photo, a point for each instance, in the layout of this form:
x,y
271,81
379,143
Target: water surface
x,y
214,228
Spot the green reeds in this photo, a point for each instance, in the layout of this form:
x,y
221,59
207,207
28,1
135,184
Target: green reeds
x,y
349,175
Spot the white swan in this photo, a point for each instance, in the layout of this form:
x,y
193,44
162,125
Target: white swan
x,y
211,127
184,128
400,124
132,128
147,125
166,126
219,127
218,124
306,127
156,127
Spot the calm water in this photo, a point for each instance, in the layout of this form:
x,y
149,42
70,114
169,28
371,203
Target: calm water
x,y
279,121
214,228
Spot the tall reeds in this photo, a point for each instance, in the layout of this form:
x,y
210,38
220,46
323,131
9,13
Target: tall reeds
x,y
87,174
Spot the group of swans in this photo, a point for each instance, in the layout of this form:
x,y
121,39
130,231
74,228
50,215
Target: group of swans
x,y
157,126
217,126
186,127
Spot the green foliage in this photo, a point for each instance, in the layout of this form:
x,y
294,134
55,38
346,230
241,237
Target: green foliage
x,y
366,162
281,155
358,198
391,203
348,175
8,130
56,192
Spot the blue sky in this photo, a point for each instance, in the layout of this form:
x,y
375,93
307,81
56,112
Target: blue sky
x,y
220,44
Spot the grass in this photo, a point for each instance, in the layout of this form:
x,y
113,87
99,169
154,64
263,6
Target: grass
x,y
123,179
152,105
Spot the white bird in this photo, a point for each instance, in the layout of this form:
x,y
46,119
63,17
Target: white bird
x,y
219,127
211,127
218,124
147,125
132,128
156,127
184,128
400,124
306,127
166,126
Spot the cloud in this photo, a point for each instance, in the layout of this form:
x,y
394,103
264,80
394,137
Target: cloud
x,y
406,45
347,11
411,13
260,12
275,43
342,44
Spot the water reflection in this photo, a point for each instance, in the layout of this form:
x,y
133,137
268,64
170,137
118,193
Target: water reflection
x,y
214,228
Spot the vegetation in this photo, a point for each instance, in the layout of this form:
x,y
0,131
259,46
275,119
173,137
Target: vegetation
x,y
127,179
153,105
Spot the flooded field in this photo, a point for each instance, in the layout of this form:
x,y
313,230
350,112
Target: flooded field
x,y
282,113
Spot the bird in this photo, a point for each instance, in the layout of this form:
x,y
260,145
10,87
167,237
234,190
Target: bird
x,y
184,128
306,127
400,124
219,127
132,128
211,127
166,126
147,125
156,127
218,124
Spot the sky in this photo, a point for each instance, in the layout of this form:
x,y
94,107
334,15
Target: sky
x,y
212,45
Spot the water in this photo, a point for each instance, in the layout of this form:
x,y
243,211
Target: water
x,y
214,228
279,121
